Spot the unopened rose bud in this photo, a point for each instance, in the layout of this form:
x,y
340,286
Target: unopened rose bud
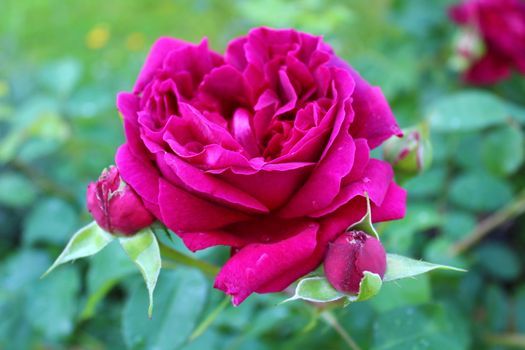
x,y
349,256
411,154
115,206
469,48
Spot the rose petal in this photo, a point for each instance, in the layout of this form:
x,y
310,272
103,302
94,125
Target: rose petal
x,y
207,185
258,266
393,206
325,182
140,174
375,182
182,211
155,59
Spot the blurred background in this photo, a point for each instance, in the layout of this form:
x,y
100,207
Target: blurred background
x,y
61,65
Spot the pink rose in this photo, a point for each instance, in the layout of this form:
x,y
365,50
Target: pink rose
x,y
501,26
349,256
115,206
265,149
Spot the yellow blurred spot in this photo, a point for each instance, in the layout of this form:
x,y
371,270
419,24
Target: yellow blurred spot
x,y
4,88
97,37
135,41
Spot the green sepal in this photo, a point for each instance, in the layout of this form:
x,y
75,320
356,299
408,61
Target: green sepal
x,y
399,267
365,224
317,289
143,250
87,241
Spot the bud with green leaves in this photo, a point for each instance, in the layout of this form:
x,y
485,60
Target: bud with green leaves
x,y
410,154
115,206
349,257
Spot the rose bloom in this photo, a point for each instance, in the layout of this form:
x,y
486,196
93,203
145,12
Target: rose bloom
x,y
501,26
265,150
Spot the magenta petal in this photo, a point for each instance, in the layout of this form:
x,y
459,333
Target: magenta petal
x,y
258,266
488,70
202,240
375,182
271,187
208,185
243,133
128,105
393,206
325,182
184,212
158,53
339,221
141,176
224,87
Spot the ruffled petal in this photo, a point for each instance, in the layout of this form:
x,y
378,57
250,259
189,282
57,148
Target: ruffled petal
x,y
265,267
182,211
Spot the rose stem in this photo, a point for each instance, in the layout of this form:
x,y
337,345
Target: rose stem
x,y
183,259
515,208
329,318
206,323
509,339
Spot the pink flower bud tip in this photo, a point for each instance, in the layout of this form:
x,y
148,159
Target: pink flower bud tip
x,y
115,206
349,256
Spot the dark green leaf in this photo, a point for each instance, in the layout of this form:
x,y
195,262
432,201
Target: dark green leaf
x,y
480,192
404,292
467,111
52,303
499,260
421,327
498,308
182,294
503,150
16,190
51,221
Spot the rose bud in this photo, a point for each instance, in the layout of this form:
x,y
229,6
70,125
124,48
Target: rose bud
x,y
469,48
411,154
115,206
349,256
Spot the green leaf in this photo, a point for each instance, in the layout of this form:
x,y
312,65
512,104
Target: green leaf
x,y
480,192
101,280
369,286
42,225
439,250
519,306
18,276
315,289
16,190
87,241
504,150
497,308
458,224
399,266
318,289
508,267
404,292
365,224
143,249
428,184
467,111
51,304
422,327
182,294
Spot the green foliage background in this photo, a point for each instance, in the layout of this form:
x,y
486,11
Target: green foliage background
x,y
61,65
